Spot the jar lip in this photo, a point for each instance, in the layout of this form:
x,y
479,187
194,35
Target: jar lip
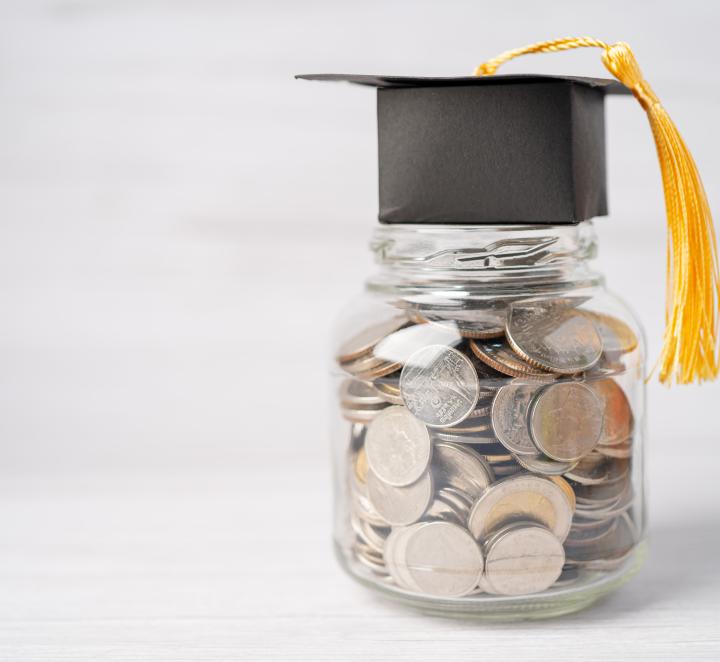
x,y
483,247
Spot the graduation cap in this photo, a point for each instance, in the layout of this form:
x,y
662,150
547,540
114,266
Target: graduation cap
x,y
495,149
530,149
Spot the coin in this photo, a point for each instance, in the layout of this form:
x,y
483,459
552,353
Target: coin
x,y
443,559
567,490
365,340
509,415
400,505
439,386
360,416
521,497
360,466
618,419
566,421
354,393
376,371
590,470
399,346
614,545
441,509
617,337
500,356
523,558
555,338
469,426
488,322
388,395
623,450
394,556
453,464
398,446
478,439
541,464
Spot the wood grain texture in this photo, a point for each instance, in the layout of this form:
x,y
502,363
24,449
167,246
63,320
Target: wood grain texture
x,y
180,222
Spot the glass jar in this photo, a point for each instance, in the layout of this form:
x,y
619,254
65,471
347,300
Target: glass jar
x,y
487,437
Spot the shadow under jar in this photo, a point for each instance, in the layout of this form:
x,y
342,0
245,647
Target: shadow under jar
x,y
489,422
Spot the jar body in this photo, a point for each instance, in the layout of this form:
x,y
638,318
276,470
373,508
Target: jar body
x,y
488,423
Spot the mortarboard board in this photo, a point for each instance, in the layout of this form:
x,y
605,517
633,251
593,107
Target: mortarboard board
x,y
497,150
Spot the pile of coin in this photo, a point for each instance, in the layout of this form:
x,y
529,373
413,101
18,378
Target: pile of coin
x,y
490,449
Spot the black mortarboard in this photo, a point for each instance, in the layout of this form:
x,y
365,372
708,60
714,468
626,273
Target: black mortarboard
x,y
490,149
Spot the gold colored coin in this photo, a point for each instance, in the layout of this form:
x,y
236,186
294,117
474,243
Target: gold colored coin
x,y
360,466
500,356
617,337
566,488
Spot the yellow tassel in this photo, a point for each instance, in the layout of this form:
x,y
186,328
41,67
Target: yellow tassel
x,y
690,344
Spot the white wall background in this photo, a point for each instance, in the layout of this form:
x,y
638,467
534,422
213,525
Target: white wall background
x,y
179,222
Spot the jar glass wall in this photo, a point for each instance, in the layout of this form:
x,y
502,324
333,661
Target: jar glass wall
x,y
488,423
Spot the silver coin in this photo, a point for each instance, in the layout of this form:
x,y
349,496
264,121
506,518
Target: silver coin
x,y
593,469
388,394
360,416
540,464
487,322
454,464
443,559
400,505
394,555
566,420
521,497
399,346
509,416
615,545
373,537
458,497
620,451
362,507
441,510
397,446
439,386
522,559
357,394
556,338
363,342
477,439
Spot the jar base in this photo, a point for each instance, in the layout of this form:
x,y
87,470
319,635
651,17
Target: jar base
x,y
554,602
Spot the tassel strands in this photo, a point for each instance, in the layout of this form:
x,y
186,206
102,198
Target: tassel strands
x,y
690,343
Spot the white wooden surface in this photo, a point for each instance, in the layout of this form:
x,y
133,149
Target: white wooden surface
x,y
180,222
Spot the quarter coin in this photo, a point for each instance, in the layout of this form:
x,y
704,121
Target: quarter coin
x,y
398,446
439,386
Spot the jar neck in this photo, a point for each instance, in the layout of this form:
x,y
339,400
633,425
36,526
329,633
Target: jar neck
x,y
496,258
